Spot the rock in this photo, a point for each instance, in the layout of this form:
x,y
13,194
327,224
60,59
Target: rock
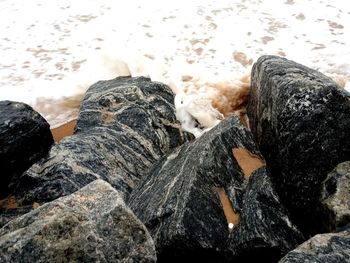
x,y
300,120
91,225
24,138
265,232
142,109
189,197
327,248
336,197
124,126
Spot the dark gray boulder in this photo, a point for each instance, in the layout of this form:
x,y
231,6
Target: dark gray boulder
x,y
189,197
91,225
322,248
265,232
124,126
25,137
300,120
336,197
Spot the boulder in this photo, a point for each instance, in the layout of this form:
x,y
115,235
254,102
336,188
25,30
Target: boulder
x,y
212,199
300,120
125,125
327,248
91,225
336,197
25,137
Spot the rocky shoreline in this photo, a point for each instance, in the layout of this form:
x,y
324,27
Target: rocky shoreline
x,y
131,186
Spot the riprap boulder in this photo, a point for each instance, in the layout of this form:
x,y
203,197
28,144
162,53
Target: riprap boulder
x,y
91,225
25,137
125,125
336,197
327,248
301,120
212,199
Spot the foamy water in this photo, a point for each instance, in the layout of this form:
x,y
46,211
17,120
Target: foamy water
x,y
51,51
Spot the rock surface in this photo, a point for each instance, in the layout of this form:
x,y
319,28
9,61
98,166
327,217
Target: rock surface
x,y
300,120
24,138
336,197
189,197
91,225
323,248
124,126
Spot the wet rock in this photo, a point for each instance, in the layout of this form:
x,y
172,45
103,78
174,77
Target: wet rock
x,y
124,126
336,197
91,225
24,138
300,120
327,248
212,199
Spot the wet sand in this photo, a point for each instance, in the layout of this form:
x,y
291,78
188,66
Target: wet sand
x,y
64,130
231,215
248,161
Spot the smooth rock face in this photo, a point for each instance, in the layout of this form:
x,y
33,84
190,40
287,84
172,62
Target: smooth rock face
x,y
336,197
327,248
24,138
300,120
91,225
125,125
189,197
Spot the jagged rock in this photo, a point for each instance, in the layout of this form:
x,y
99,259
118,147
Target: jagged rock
x,y
336,197
266,232
91,225
24,138
300,120
124,126
189,197
322,248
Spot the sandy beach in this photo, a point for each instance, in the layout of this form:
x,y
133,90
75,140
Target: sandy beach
x,y
64,130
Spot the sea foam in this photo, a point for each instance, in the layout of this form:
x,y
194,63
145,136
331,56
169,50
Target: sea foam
x,y
52,51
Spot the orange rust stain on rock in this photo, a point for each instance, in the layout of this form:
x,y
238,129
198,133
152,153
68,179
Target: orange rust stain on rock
x,y
248,161
36,205
231,216
9,202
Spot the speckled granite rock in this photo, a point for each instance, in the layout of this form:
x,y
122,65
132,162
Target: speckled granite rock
x,y
91,225
124,126
301,121
336,197
188,198
25,137
323,248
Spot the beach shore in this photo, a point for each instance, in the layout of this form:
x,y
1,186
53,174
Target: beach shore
x,y
63,130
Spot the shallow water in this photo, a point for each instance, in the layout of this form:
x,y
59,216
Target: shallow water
x,y
51,51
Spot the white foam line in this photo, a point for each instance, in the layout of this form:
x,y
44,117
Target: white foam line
x,y
68,45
